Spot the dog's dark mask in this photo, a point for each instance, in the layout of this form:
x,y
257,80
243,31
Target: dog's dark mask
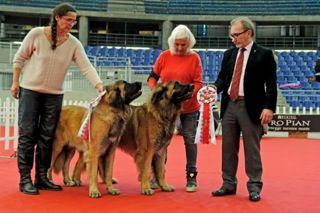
x,y
182,92
130,92
133,91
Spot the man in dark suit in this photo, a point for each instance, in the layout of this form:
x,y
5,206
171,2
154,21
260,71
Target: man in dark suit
x,y
248,82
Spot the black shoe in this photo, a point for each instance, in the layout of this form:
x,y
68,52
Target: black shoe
x,y
28,188
254,196
44,183
223,191
191,185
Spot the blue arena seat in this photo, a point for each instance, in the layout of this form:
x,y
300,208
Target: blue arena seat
x,y
93,51
87,49
315,85
112,52
121,52
130,54
103,51
155,53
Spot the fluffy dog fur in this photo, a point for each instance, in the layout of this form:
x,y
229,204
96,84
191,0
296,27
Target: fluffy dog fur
x,y
150,129
108,121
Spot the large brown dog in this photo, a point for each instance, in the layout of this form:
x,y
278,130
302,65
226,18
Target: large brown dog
x,y
150,129
108,121
148,134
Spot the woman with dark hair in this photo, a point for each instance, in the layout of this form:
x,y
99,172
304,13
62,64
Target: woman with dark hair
x,y
43,60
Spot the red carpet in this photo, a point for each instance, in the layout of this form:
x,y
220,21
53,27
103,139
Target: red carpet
x,y
291,184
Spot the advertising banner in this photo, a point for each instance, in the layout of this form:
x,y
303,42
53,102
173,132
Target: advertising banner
x,y
295,123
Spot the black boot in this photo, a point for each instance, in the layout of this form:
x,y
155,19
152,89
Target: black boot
x,y
42,182
25,161
26,185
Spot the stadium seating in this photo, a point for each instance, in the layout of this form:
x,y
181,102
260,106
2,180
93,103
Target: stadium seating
x,y
232,7
294,69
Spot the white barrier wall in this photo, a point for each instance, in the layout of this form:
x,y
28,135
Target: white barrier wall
x,y
9,121
9,118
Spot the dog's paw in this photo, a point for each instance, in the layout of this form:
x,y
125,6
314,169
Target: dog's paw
x,y
69,183
147,191
77,182
94,194
113,191
167,188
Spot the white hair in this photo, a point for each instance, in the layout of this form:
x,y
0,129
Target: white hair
x,y
181,31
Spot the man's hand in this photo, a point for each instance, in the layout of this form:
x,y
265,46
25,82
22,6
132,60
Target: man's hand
x,y
266,116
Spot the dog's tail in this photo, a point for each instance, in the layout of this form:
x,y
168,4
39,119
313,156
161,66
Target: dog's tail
x,y
66,154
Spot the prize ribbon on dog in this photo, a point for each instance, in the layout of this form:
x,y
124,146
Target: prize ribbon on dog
x,y
84,131
205,134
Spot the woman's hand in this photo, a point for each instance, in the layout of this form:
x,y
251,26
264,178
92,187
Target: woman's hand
x,y
100,87
15,89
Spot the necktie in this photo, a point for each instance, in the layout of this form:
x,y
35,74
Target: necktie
x,y
234,91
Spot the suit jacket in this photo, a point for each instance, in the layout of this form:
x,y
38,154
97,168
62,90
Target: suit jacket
x,y
260,81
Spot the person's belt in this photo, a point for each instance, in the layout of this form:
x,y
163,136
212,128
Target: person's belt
x,y
240,98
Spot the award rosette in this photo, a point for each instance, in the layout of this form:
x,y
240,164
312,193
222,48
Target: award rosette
x,y
207,97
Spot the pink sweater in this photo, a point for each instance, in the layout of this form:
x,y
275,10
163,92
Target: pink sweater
x,y
186,69
43,69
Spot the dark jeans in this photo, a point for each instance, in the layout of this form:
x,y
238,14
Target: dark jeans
x,y
38,117
189,123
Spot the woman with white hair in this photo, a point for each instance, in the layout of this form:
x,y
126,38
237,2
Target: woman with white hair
x,y
180,63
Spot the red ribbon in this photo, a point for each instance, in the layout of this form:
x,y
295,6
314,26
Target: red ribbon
x,y
85,135
206,123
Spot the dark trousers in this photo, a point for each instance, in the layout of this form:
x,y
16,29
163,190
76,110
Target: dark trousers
x,y
235,122
38,117
189,122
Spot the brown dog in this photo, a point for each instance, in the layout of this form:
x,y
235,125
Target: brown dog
x,y
150,129
108,121
148,134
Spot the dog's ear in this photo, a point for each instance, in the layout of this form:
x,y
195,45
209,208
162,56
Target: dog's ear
x,y
105,97
158,95
107,88
116,100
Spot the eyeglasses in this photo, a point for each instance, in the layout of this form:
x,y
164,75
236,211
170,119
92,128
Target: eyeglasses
x,y
236,35
70,20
